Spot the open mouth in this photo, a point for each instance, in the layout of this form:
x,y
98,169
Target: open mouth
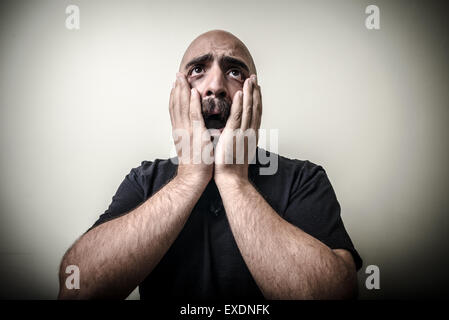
x,y
215,113
214,121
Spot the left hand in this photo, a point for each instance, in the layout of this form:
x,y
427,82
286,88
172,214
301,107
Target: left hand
x,y
233,155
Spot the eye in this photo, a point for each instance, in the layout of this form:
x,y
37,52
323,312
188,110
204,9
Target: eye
x,y
236,73
196,70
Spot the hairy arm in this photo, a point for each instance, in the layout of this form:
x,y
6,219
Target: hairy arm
x,y
285,262
116,256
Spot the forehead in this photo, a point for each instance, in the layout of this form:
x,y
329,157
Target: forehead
x,y
217,46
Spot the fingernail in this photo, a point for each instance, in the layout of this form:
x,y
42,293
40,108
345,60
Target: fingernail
x,y
254,78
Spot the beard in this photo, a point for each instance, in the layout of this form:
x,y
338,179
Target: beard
x,y
215,112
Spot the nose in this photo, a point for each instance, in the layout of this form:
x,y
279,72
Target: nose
x,y
215,84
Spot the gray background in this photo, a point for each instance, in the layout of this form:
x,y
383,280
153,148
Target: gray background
x,y
79,109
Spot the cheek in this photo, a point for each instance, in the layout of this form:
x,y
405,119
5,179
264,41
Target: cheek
x,y
198,84
233,88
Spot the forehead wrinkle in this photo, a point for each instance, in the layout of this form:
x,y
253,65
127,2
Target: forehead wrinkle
x,y
230,46
217,55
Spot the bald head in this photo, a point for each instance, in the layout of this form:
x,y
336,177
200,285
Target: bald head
x,y
219,42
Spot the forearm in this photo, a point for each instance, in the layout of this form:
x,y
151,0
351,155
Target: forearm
x,y
285,262
117,255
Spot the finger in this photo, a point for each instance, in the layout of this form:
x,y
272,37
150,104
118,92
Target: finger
x,y
177,118
195,109
170,105
247,103
183,97
235,118
257,108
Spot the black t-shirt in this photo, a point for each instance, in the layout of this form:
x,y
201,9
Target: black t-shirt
x,y
204,262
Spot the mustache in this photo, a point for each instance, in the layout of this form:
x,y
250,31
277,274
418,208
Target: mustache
x,y
209,108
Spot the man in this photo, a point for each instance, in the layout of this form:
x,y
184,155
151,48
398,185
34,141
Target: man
x,y
214,229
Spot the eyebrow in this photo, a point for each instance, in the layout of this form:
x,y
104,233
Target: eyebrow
x,y
230,60
199,60
226,60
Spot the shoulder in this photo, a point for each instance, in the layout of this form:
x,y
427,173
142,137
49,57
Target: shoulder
x,y
152,175
298,169
305,174
154,167
279,178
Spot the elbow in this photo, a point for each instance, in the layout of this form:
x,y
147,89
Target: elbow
x,y
344,276
72,286
68,280
90,288
337,282
346,286
65,294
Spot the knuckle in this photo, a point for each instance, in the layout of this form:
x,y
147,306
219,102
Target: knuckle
x,y
183,82
237,116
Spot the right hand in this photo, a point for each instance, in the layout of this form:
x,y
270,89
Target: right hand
x,y
190,133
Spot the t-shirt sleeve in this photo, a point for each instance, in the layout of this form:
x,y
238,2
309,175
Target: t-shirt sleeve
x,y
313,207
129,195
